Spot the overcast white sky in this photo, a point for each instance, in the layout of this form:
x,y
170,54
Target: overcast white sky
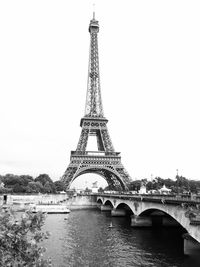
x,y
150,81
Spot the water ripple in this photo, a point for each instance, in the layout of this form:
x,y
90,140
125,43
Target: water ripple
x,y
84,239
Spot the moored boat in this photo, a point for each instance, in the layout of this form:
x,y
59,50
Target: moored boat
x,y
50,208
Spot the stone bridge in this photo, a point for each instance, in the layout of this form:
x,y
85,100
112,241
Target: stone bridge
x,y
149,211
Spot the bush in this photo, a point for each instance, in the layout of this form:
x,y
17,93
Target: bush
x,y
19,239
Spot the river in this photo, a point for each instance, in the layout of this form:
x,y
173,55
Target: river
x,y
84,238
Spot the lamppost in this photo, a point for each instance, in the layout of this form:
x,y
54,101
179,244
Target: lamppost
x,y
177,181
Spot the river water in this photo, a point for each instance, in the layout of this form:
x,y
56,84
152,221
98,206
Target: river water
x,y
84,238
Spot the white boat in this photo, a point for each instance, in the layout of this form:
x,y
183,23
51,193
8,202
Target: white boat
x,y
50,208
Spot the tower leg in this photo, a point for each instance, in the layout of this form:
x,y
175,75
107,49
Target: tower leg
x,y
69,175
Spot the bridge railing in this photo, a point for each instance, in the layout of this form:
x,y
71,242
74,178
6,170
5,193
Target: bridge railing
x,y
168,199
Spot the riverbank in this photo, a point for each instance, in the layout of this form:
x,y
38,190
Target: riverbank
x,y
23,202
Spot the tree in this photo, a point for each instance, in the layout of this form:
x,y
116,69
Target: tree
x,y
17,183
135,185
59,186
151,186
100,190
34,187
43,178
19,239
47,183
25,179
5,190
10,180
182,184
17,188
47,187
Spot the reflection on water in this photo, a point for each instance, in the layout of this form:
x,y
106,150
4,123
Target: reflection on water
x,y
84,238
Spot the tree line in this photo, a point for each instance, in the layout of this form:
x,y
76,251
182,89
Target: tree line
x,y
179,185
11,183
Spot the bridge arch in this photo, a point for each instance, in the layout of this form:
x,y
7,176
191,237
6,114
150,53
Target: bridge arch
x,y
108,203
99,201
177,216
161,217
178,213
126,207
105,202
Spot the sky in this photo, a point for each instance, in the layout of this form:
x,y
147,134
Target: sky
x,y
149,70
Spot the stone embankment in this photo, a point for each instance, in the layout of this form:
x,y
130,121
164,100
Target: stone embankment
x,y
81,202
20,202
34,199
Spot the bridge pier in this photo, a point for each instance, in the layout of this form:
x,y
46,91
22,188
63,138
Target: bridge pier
x,y
105,208
118,213
191,246
98,206
141,221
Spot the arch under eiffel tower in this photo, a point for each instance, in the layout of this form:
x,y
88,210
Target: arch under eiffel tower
x,y
105,161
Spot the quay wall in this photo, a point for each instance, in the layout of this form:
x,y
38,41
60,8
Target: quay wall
x,y
33,198
82,202
72,202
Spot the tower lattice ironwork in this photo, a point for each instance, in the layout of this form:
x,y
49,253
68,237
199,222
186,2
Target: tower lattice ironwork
x,y
104,161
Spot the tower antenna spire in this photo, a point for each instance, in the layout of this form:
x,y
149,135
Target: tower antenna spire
x,y
93,11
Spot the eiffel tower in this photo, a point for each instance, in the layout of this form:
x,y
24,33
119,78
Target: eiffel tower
x,y
104,161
